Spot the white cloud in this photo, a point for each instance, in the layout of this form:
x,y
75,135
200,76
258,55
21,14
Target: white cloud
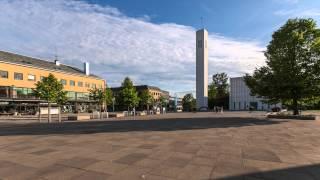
x,y
306,13
117,45
287,1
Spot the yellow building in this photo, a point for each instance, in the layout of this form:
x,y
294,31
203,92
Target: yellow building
x,y
18,75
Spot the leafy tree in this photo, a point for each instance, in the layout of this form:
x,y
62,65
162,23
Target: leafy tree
x,y
212,93
61,100
102,96
292,72
128,94
163,101
188,103
218,91
220,82
98,95
146,99
51,90
108,97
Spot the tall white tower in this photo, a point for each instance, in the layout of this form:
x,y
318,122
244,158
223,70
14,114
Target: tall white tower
x,y
202,69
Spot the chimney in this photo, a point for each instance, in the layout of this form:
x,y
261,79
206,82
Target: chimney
x,y
57,62
86,68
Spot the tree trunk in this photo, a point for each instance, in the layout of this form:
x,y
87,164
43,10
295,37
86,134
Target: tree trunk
x,y
148,109
106,110
101,116
39,115
295,107
59,113
49,112
134,113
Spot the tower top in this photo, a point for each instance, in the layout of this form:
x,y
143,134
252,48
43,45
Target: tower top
x,y
203,30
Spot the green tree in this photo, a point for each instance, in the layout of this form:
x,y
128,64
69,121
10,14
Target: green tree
x,y
292,72
128,94
98,95
108,97
146,99
50,90
163,101
102,96
212,93
220,82
61,100
188,102
218,91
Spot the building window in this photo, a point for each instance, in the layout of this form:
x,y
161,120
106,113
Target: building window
x,y
22,92
71,95
4,92
72,83
31,77
63,81
93,85
80,84
18,76
41,78
4,74
87,85
83,96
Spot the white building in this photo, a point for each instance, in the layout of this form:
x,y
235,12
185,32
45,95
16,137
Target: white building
x,y
202,69
240,98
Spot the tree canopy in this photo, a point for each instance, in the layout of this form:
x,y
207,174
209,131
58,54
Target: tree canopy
x,y
108,96
102,96
218,91
146,98
292,70
128,95
98,95
188,102
162,101
50,89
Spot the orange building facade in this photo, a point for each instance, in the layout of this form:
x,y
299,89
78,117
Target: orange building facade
x,y
18,75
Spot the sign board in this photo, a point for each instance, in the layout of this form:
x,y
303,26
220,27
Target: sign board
x,y
53,110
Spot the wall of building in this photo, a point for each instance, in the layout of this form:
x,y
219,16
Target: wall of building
x,y
240,98
156,94
11,68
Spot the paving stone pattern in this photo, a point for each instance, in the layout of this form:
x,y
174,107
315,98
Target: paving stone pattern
x,y
174,146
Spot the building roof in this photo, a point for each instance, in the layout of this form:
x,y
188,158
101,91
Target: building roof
x,y
34,62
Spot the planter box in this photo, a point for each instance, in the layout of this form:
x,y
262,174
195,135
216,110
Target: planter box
x,y
114,114
141,113
79,117
297,117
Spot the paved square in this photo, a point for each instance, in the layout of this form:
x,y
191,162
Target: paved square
x,y
232,145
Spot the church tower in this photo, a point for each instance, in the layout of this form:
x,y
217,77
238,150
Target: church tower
x,y
202,69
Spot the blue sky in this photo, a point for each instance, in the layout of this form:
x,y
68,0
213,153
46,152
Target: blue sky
x,y
245,19
151,41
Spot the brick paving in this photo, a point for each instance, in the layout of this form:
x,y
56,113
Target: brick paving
x,y
173,146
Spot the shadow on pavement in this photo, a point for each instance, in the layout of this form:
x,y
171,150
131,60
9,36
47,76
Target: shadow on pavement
x,y
130,125
309,172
